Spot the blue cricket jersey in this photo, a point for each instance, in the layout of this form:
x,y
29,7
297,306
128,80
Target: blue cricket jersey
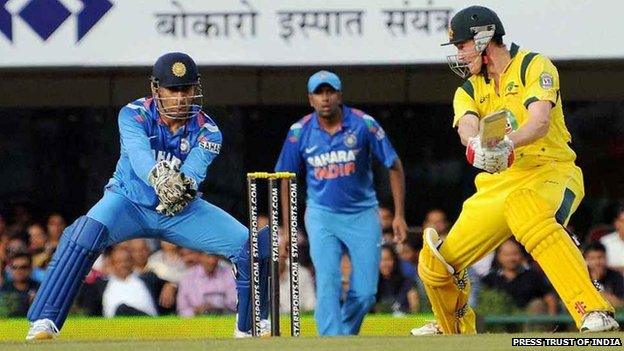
x,y
145,140
338,167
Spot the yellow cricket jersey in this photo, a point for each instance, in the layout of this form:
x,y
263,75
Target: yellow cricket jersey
x,y
528,77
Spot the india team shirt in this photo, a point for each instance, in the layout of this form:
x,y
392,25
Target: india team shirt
x,y
338,166
527,78
146,140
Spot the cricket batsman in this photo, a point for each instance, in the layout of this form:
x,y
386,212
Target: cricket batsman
x,y
530,185
167,144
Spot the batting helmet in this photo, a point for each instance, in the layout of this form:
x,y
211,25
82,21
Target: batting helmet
x,y
470,21
476,23
175,71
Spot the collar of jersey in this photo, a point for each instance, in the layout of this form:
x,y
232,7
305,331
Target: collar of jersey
x,y
346,118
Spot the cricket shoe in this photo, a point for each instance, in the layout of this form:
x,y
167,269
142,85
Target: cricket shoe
x,y
598,321
42,329
265,330
431,328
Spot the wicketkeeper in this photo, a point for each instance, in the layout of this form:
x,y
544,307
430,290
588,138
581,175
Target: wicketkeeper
x,y
167,144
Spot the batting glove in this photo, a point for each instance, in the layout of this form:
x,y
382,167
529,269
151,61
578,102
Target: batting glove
x,y
492,160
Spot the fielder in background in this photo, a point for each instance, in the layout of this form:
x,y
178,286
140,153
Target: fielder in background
x,y
530,186
167,144
336,144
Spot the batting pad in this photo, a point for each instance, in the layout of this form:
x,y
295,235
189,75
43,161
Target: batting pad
x,y
448,294
78,248
532,222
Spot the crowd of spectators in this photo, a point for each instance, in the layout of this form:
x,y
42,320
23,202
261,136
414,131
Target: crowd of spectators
x,y
149,277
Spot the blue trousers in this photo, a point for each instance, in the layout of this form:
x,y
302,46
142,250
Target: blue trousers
x,y
332,234
200,226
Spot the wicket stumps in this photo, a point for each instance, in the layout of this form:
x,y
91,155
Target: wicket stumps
x,y
274,180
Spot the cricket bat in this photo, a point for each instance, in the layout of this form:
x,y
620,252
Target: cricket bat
x,y
492,128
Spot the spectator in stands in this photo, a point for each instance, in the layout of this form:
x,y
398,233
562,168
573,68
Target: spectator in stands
x,y
15,245
191,258
527,288
408,252
386,215
126,294
167,263
55,226
140,253
614,243
307,295
208,288
17,295
165,291
263,220
4,232
436,219
38,239
610,280
21,219
393,287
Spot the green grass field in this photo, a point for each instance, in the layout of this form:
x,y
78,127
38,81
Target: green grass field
x,y
360,343
379,332
147,328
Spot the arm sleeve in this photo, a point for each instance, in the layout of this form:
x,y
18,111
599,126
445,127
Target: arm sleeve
x,y
205,150
135,142
464,103
290,158
379,143
542,82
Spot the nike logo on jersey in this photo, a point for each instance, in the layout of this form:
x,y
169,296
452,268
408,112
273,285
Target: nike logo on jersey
x,y
309,150
153,136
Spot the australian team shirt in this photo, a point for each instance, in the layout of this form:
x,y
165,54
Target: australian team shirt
x,y
527,78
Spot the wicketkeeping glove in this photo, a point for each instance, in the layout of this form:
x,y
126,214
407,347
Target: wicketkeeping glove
x,y
174,189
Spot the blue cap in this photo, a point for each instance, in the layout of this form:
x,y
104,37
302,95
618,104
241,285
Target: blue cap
x,y
175,69
323,77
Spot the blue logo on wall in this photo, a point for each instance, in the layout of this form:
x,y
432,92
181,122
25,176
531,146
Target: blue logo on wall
x,y
45,16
